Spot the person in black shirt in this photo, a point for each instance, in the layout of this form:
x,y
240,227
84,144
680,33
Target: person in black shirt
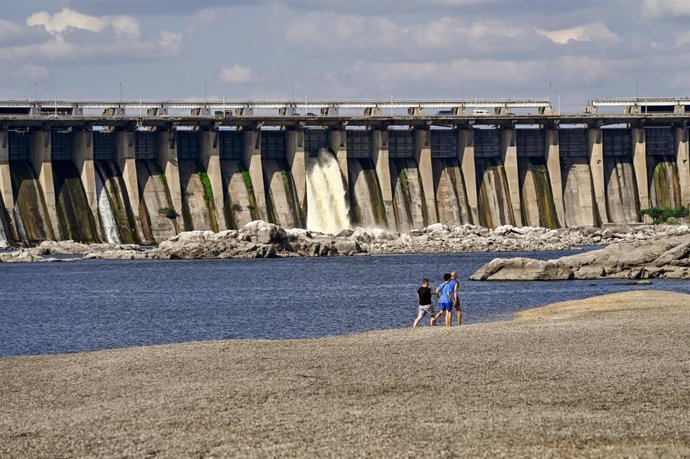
x,y
424,302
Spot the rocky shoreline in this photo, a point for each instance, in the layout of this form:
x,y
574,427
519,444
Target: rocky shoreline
x,y
259,239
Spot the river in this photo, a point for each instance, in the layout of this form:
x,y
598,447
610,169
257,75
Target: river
x,y
91,305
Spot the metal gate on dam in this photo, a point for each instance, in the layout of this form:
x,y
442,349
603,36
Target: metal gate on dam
x,y
114,177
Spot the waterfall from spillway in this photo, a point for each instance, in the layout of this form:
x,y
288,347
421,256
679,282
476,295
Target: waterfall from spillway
x,y
327,210
105,211
3,237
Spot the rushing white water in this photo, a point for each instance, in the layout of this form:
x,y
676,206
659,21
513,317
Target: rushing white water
x,y
3,237
327,209
106,212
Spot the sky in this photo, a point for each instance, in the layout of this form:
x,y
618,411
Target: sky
x,y
572,51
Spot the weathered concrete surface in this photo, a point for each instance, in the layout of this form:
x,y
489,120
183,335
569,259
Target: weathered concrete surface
x,y
422,141
682,144
40,159
469,171
126,160
553,163
240,204
596,167
209,146
666,258
252,161
380,156
578,197
604,377
510,166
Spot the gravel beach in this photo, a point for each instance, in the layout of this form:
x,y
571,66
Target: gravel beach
x,y
603,377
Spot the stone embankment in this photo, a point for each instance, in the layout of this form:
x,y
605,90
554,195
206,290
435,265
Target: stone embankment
x,y
259,239
662,258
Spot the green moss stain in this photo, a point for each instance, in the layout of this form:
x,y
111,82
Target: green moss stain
x,y
32,223
75,218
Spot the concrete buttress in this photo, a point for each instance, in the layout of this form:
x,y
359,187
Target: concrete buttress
x,y
469,170
380,156
640,166
252,161
210,160
82,157
297,162
6,193
510,164
596,166
167,160
553,164
126,161
40,158
683,163
422,142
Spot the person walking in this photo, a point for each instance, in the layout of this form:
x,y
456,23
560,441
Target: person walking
x,y
445,305
424,302
454,292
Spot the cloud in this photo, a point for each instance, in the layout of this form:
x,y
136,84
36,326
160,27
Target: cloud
x,y
68,19
587,33
667,9
236,74
329,31
72,36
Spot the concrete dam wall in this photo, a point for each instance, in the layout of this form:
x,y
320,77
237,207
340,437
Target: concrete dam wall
x,y
143,186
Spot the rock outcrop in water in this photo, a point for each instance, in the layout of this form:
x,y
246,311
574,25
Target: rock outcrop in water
x,y
664,258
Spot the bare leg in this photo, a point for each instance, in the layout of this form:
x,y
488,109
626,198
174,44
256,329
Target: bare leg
x,y
416,321
449,318
459,309
437,316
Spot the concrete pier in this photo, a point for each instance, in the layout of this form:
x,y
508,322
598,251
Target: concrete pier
x,y
683,163
40,159
252,161
469,170
126,162
82,157
426,172
337,141
6,193
640,166
297,162
510,164
209,156
596,166
167,161
553,165
380,156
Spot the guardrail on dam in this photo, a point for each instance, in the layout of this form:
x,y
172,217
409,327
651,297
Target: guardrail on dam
x,y
66,173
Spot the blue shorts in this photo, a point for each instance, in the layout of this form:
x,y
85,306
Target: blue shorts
x,y
445,306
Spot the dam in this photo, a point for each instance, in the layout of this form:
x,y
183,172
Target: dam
x,y
141,172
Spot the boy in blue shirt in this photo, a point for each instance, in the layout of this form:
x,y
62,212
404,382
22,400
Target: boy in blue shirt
x,y
445,301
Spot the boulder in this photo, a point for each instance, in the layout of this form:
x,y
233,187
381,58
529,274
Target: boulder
x,y
522,269
651,258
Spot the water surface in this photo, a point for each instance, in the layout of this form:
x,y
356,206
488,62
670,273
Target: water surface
x,y
89,305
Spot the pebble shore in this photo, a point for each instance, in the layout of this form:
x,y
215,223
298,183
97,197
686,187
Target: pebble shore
x,y
603,377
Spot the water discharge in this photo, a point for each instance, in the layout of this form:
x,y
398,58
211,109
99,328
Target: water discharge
x,y
327,210
105,211
3,237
